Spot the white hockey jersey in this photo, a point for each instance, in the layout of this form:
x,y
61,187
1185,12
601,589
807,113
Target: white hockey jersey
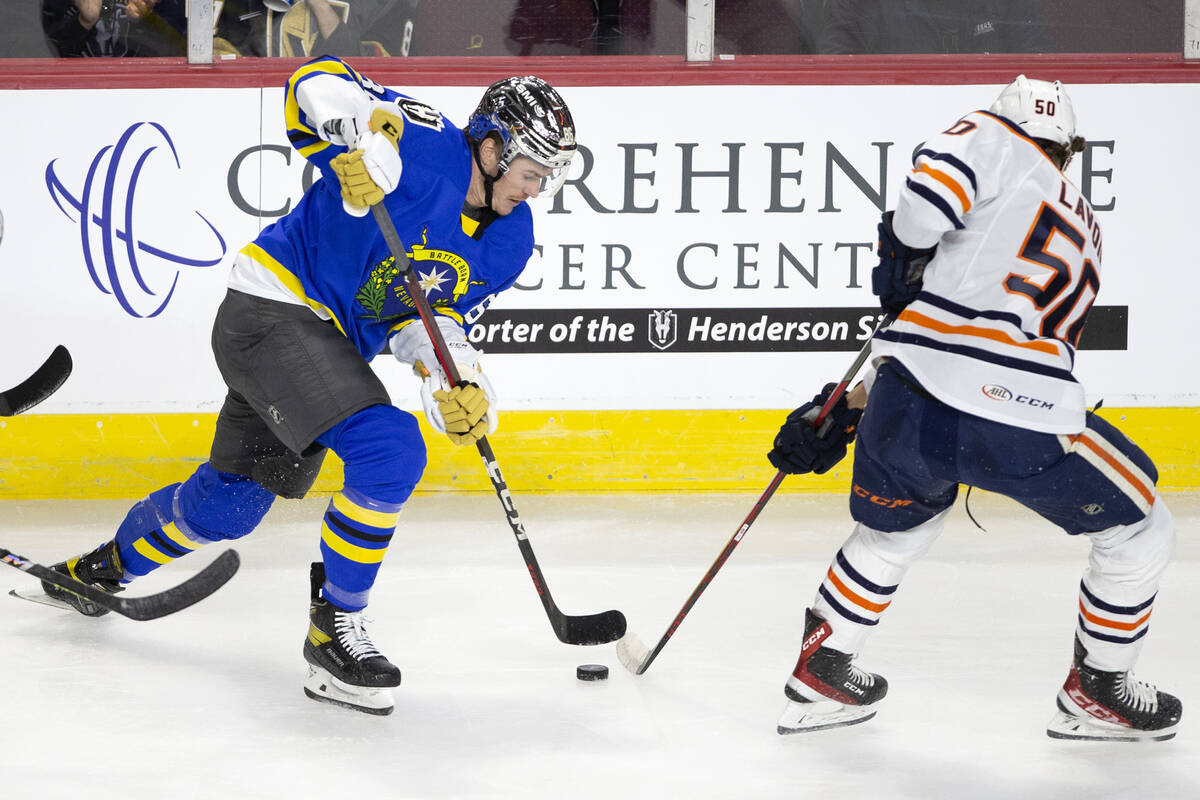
x,y
994,330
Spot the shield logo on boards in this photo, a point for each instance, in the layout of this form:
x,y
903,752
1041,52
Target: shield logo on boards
x,y
663,325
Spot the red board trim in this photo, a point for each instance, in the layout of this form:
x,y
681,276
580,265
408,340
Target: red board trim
x,y
774,70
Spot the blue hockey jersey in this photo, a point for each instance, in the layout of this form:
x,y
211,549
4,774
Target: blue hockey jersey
x,y
340,266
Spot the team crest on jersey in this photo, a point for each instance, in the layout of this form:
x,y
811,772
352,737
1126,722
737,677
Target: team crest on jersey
x,y
444,276
663,327
420,113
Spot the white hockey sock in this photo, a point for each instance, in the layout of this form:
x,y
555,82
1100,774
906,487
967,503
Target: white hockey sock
x,y
863,577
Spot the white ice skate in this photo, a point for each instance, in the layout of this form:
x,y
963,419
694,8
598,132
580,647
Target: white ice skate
x,y
322,686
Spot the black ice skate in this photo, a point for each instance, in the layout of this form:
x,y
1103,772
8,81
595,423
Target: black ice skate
x,y
1112,706
344,667
100,568
825,689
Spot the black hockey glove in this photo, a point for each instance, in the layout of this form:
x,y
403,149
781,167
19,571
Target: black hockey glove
x,y
800,448
897,278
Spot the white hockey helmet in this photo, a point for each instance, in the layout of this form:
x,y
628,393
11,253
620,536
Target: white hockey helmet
x,y
1041,108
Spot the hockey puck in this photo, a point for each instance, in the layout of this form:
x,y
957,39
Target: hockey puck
x,y
591,672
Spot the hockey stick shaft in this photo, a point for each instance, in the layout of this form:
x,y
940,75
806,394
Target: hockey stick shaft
x,y
37,387
147,607
638,662
599,628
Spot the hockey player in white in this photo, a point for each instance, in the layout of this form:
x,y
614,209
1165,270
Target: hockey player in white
x,y
973,384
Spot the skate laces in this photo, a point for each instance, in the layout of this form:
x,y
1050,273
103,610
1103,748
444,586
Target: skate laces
x,y
860,676
351,630
1142,695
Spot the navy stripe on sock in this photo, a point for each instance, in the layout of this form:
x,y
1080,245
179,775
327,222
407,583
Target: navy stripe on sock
x,y
843,611
1106,637
345,528
1110,608
165,545
860,580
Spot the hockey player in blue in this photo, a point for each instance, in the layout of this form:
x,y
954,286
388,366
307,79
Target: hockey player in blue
x,y
973,385
313,300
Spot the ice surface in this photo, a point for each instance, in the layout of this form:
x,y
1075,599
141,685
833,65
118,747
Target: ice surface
x,y
208,703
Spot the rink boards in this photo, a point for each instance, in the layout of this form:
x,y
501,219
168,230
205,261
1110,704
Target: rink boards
x,y
705,269
602,452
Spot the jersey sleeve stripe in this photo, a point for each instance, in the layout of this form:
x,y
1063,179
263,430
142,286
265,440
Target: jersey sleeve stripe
x,y
948,182
955,162
935,200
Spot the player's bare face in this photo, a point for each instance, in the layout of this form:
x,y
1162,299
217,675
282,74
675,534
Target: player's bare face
x,y
522,182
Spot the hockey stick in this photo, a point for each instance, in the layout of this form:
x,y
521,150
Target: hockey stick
x,y
151,606
38,386
631,652
607,626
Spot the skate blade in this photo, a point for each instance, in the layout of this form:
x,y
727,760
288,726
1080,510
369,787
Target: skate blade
x,y
820,716
43,598
1088,729
324,688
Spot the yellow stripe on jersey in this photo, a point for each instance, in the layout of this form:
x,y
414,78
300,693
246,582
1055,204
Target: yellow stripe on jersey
x,y
353,552
174,534
949,183
288,279
365,516
291,106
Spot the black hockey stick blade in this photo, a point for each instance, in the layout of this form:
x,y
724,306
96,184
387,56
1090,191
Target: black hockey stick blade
x,y
38,386
151,606
602,628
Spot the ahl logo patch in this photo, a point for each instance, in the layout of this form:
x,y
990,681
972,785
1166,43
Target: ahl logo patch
x,y
996,392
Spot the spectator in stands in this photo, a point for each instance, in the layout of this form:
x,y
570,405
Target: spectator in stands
x,y
354,28
115,27
933,26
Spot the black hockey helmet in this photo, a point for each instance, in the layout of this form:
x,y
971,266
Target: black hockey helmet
x,y
532,120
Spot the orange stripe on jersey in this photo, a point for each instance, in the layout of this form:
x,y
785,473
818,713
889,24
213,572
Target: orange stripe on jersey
x,y
918,318
1139,486
1108,623
854,597
949,183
